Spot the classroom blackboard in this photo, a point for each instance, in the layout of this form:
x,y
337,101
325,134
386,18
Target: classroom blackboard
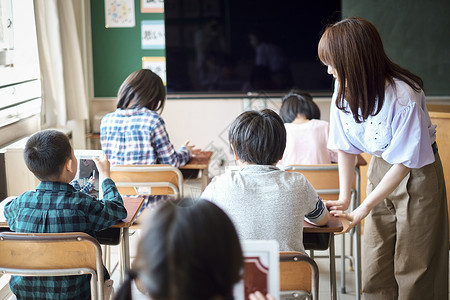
x,y
116,52
415,34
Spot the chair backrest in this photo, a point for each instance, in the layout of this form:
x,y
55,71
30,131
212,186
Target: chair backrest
x,y
324,178
299,274
53,254
148,180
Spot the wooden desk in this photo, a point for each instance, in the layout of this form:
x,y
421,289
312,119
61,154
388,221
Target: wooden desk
x,y
200,162
320,238
132,205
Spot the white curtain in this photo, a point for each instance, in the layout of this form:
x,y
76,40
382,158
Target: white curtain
x,y
63,80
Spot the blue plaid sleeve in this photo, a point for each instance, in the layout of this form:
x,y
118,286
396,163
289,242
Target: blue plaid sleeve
x,y
165,152
10,213
318,212
108,211
84,189
75,184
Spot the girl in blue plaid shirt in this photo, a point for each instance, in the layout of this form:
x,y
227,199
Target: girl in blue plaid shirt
x,y
135,134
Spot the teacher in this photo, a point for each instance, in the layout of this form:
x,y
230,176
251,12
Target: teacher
x,y
379,108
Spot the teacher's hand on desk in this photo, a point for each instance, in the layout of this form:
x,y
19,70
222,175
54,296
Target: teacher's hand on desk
x,y
353,217
341,204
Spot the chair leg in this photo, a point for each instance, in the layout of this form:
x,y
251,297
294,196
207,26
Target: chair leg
x,y
352,234
108,289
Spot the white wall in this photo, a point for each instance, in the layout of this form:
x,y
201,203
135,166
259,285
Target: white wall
x,y
205,122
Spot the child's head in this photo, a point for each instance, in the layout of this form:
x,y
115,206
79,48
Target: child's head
x,y
296,103
189,250
258,137
142,88
46,154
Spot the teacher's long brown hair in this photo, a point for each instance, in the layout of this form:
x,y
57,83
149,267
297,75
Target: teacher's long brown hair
x,y
353,47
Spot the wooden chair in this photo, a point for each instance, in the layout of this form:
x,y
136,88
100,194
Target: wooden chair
x,y
325,180
53,254
148,180
299,276
145,180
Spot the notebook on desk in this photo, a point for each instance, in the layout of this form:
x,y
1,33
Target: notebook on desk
x,y
261,269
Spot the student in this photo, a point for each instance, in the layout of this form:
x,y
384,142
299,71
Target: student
x,y
379,108
263,201
188,250
307,136
135,133
55,206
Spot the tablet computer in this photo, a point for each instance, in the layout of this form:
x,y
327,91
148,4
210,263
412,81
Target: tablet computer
x,y
261,269
87,168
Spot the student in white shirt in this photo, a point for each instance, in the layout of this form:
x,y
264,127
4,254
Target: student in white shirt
x,y
263,201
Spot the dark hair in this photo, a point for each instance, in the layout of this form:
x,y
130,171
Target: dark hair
x,y
297,103
142,88
353,47
258,137
46,152
188,250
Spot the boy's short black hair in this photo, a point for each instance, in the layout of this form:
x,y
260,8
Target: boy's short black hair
x,y
46,152
258,137
298,103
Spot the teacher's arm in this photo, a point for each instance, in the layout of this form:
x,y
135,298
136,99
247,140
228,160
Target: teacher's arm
x,y
387,185
346,172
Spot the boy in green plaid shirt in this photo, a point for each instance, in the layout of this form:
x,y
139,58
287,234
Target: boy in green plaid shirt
x,y
56,206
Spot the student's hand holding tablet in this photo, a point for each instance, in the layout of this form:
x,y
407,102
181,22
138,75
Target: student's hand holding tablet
x,y
103,166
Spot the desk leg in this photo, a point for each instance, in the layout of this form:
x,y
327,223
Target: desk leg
x,y
332,269
205,178
357,243
121,255
126,249
343,290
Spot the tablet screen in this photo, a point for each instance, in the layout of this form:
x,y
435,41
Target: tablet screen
x,y
87,168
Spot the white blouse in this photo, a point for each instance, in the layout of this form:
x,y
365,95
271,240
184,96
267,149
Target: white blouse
x,y
401,133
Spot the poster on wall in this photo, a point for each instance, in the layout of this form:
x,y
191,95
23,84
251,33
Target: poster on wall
x,y
152,6
119,13
157,65
153,35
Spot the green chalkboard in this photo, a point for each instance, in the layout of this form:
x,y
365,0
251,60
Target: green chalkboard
x,y
116,51
415,34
